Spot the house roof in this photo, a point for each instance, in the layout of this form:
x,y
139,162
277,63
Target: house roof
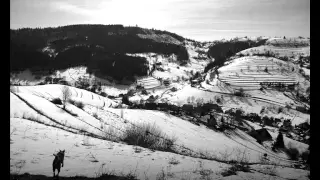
x,y
263,130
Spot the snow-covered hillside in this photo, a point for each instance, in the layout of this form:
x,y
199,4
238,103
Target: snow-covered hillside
x,y
36,123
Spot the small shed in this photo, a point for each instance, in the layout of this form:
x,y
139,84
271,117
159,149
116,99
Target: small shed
x,y
302,109
261,135
195,82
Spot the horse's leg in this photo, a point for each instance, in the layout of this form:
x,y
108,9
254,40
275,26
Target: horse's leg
x,y
53,173
58,172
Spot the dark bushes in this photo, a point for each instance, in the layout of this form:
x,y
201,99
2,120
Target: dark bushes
x,y
56,101
125,100
130,92
174,89
150,106
239,92
103,94
144,92
293,153
79,104
234,168
148,136
305,155
207,107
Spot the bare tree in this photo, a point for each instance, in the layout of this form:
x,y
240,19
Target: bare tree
x,y
66,94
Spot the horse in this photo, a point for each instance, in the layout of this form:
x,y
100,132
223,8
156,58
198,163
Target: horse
x,y
58,161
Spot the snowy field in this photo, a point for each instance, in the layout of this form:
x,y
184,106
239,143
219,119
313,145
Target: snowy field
x,y
53,128
33,144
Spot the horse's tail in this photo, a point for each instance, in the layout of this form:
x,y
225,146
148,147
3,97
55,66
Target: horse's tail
x,y
55,163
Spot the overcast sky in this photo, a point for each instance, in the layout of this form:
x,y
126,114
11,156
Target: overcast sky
x,y
203,20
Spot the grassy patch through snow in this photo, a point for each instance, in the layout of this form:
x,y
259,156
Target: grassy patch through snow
x,y
148,136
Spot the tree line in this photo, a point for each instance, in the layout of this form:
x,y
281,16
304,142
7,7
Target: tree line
x,y
95,46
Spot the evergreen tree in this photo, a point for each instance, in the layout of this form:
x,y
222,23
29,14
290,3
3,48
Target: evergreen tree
x,y
221,125
212,122
279,142
238,115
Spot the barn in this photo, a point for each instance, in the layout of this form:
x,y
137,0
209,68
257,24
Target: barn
x,y
261,135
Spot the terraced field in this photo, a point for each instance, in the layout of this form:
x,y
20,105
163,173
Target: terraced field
x,y
249,72
149,82
280,51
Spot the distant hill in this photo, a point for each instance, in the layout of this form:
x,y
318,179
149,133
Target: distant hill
x,y
222,50
101,48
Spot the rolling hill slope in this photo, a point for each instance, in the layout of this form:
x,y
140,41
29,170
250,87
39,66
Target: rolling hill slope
x,y
31,109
